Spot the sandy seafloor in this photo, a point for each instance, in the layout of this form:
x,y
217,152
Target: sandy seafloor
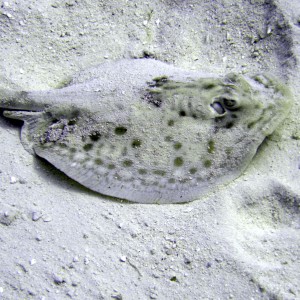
x,y
59,240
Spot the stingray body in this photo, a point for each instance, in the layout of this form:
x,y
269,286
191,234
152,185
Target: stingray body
x,y
148,132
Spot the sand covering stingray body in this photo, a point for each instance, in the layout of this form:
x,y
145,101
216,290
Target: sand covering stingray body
x,y
148,132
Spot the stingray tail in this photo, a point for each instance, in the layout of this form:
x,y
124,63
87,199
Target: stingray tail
x,y
19,100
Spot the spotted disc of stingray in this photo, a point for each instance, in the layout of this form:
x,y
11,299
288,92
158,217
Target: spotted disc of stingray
x,y
148,132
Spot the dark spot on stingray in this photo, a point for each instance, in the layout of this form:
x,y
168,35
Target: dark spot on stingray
x,y
147,54
250,125
207,163
171,180
62,145
136,143
177,145
48,114
211,146
229,125
182,113
54,120
191,85
87,147
72,122
178,161
75,114
192,170
159,172
120,130
171,123
208,86
127,163
98,161
95,136
170,87
142,171
111,166
160,81
219,119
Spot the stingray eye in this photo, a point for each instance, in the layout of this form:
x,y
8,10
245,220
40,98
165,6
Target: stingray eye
x,y
217,106
230,103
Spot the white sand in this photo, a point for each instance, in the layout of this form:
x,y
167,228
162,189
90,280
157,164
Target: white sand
x,y
59,240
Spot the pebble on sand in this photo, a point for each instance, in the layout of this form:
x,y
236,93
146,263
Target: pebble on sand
x,y
13,180
123,258
58,279
36,216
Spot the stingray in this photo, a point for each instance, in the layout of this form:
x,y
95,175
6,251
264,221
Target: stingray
x,y
149,132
